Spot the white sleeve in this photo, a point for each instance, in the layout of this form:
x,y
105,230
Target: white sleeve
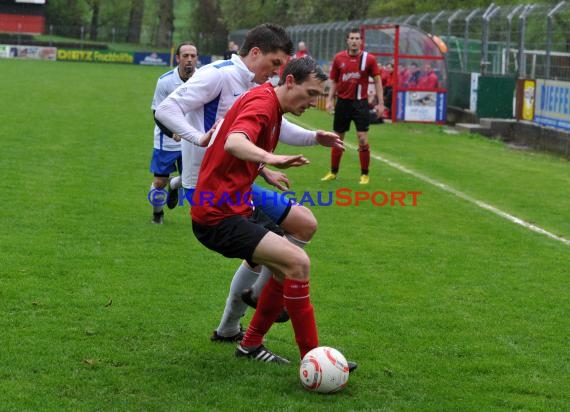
x,y
160,93
171,115
155,100
203,87
295,135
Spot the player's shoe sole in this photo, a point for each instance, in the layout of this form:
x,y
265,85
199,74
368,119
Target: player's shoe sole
x,y
227,339
261,354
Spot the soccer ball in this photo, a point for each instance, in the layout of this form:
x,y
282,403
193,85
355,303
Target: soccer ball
x,y
324,370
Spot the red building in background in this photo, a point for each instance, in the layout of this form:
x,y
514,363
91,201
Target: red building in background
x,y
22,16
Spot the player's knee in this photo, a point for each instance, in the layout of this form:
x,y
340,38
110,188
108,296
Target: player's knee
x,y
362,141
160,182
299,265
301,224
309,225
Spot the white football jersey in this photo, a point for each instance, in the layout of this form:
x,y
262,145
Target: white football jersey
x,y
205,98
166,83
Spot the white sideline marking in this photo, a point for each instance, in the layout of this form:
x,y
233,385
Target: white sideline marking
x,y
468,198
457,193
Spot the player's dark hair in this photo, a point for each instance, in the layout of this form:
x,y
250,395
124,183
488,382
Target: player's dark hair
x,y
302,69
353,30
186,43
270,38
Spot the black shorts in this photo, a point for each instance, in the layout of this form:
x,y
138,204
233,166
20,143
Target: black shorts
x,y
237,236
346,111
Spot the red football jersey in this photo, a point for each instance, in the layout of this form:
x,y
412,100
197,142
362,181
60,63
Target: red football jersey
x,y
387,77
224,183
351,74
428,81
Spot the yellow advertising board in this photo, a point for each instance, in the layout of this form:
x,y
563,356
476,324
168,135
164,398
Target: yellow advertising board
x,y
528,100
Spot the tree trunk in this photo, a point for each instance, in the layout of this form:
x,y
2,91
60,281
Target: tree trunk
x,y
135,21
93,29
65,17
210,26
166,23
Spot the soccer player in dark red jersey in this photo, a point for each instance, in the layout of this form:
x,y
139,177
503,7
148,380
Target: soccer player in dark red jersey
x,y
242,145
349,75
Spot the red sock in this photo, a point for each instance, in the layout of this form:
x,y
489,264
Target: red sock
x,y
336,155
269,306
364,154
298,304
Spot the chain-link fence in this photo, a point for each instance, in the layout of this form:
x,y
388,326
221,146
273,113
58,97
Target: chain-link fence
x,y
530,40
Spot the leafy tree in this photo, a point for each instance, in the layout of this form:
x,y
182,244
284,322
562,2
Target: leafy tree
x,y
208,21
95,6
333,10
135,21
66,17
209,27
166,23
239,14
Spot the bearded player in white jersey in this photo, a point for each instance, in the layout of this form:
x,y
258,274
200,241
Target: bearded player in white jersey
x,y
192,110
167,152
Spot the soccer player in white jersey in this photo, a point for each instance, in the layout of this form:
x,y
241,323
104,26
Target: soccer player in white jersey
x,y
167,152
192,110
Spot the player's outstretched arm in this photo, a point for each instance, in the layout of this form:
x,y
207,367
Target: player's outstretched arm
x,y
329,139
238,145
296,135
275,178
286,161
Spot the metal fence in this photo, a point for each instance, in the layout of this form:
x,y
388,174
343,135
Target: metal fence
x,y
524,40
531,40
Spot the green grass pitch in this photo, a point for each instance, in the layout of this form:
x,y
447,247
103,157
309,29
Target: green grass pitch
x,y
445,305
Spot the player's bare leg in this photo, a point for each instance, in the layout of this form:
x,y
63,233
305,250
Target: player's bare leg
x,y
300,226
247,283
290,288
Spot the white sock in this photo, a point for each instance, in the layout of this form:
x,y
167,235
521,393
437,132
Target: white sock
x,y
235,307
175,182
155,209
262,279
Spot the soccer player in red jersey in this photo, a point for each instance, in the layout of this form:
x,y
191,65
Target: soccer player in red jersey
x,y
222,221
428,79
302,50
350,71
